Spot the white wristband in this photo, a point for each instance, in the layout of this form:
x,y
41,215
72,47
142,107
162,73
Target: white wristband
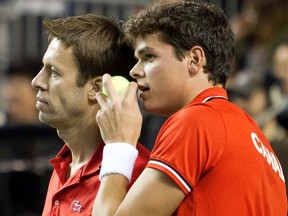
x,y
118,158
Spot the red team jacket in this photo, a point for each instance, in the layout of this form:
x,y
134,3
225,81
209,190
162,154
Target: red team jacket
x,y
220,159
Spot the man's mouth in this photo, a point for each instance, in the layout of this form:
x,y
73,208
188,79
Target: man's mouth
x,y
143,88
41,100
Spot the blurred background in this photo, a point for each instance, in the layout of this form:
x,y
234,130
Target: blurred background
x,y
259,84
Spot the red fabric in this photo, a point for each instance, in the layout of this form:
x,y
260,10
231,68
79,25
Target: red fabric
x,y
220,159
76,195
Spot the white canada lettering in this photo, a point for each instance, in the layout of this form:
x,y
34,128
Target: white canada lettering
x,y
271,159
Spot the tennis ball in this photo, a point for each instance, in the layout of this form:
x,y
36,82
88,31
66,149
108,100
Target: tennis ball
x,y
120,84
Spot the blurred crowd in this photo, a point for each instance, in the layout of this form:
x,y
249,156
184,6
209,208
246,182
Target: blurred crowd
x,y
259,84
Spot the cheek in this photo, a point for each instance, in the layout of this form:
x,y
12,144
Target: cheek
x,y
58,96
151,69
156,73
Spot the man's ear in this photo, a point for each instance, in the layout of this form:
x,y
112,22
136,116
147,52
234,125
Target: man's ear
x,y
196,59
96,86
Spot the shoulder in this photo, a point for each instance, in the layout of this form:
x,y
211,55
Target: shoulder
x,y
196,128
195,116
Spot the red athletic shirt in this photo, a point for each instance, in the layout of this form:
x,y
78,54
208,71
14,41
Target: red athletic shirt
x,y
76,195
220,159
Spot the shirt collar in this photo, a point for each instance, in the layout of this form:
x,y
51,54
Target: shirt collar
x,y
93,165
210,93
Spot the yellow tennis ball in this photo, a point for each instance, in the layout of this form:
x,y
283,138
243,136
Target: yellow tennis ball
x,y
120,84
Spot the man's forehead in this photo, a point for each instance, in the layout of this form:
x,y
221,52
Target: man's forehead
x,y
148,43
56,49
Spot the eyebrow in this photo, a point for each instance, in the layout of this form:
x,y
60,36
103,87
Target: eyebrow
x,y
51,66
143,50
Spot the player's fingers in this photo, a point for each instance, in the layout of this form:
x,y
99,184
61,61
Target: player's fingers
x,y
101,99
131,91
107,84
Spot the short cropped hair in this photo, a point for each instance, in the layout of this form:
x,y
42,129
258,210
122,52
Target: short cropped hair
x,y
186,24
98,43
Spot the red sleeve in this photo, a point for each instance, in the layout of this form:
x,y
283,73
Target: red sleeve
x,y
189,145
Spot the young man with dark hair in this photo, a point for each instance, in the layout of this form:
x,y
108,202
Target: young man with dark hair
x,y
210,157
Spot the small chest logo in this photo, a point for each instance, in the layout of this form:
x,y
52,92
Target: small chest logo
x,y
76,206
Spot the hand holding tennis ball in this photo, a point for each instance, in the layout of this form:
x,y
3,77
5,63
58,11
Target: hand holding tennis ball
x,y
120,84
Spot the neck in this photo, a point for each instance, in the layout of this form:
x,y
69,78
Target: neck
x,y
82,142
